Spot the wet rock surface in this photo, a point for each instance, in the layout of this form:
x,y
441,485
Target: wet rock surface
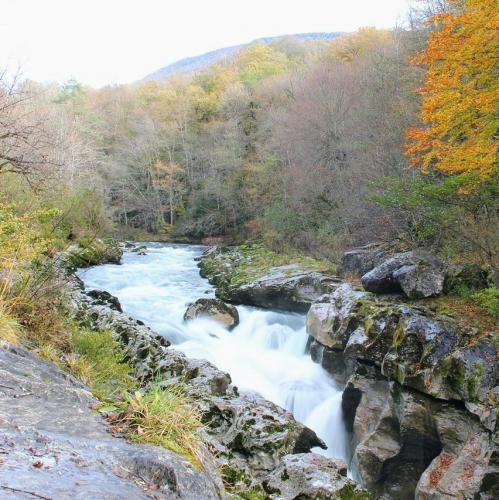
x,y
407,445
135,247
54,446
104,298
215,309
312,476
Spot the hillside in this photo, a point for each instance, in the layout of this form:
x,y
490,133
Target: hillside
x,y
195,63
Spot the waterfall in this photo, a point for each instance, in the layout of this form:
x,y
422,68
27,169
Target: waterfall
x,y
265,353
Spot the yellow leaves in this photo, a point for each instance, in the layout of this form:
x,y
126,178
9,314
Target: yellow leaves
x,y
21,237
349,46
259,61
460,94
165,174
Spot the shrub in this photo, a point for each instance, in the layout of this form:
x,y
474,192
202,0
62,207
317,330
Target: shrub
x,y
9,327
432,210
488,298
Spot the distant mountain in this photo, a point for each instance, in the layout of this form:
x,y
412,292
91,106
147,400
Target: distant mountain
x,y
196,63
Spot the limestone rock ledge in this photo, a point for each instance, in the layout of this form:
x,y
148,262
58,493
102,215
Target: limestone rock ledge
x,y
288,287
53,445
411,345
420,401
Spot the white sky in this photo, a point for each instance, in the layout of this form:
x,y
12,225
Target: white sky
x,y
101,42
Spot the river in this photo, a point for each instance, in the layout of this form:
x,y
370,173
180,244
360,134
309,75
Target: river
x,y
265,353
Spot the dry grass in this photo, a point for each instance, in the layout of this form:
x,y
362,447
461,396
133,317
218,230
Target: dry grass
x,y
80,367
10,329
164,417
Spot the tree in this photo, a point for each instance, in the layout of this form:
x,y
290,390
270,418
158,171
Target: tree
x,y
260,61
167,177
459,112
24,141
352,45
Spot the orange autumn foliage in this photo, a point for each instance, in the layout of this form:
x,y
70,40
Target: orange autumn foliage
x,y
460,94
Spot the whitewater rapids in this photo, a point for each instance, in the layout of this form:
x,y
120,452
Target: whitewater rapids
x,y
265,353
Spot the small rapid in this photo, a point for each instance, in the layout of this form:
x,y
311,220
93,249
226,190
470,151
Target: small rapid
x,y
265,353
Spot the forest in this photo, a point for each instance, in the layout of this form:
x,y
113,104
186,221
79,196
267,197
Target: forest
x,y
372,136
303,146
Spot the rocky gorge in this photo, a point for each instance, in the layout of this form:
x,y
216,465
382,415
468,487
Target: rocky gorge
x,y
419,393
420,397
253,448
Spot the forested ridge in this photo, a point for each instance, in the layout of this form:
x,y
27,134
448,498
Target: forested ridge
x,y
303,143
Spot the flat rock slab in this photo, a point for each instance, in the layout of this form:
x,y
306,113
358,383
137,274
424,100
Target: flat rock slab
x,y
52,445
279,290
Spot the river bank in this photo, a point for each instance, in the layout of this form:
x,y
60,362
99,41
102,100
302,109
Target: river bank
x,y
253,448
259,433
420,398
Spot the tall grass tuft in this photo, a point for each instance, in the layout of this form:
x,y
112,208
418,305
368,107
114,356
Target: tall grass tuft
x,y
9,327
164,416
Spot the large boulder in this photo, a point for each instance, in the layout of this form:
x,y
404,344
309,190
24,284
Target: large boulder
x,y
90,253
54,446
414,346
134,247
103,298
312,476
283,288
239,278
253,433
362,259
418,274
214,309
406,445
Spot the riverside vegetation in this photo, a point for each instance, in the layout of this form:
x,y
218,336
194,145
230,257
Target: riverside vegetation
x,y
292,152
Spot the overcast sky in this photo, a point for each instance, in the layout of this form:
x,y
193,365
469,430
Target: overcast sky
x,y
101,42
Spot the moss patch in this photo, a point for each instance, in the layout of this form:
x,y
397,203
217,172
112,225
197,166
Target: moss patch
x,y
242,264
99,361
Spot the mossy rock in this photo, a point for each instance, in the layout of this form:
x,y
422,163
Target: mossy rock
x,y
93,252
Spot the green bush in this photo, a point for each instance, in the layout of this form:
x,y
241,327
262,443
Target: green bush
x,y
488,298
436,211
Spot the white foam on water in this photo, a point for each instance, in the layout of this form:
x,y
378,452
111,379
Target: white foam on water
x,y
266,352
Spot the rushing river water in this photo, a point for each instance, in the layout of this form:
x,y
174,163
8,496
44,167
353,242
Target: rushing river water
x,y
265,353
